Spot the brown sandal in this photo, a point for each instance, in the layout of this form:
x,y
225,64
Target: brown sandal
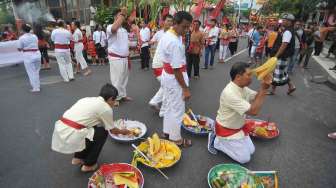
x,y
186,143
164,136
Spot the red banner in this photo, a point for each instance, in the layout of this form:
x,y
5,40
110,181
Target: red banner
x,y
220,5
198,9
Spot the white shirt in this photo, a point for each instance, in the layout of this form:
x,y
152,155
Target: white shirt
x,y
28,41
144,36
212,32
77,36
118,41
286,36
172,51
61,36
157,61
89,112
157,36
234,103
99,37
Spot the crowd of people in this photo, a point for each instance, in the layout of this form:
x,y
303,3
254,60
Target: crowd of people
x,y
179,45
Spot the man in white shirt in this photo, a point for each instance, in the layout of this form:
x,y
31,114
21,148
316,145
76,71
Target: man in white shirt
x,y
99,38
61,38
28,44
144,39
211,33
236,101
174,79
118,52
78,47
157,64
79,131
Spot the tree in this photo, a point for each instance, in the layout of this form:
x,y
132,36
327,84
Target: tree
x,y
300,8
6,15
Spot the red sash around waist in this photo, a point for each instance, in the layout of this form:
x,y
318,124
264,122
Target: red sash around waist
x,y
168,69
157,71
62,46
72,124
225,132
30,50
119,56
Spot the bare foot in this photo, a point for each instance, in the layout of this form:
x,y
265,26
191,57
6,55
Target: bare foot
x,y
86,168
76,161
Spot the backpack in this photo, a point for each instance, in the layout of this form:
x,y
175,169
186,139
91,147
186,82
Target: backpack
x,y
289,51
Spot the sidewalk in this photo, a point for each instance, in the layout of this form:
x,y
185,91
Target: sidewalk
x,y
327,63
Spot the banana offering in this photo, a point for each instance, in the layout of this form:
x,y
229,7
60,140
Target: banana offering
x,y
265,69
162,153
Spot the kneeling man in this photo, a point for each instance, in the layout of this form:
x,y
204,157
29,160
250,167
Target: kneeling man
x,y
237,101
79,131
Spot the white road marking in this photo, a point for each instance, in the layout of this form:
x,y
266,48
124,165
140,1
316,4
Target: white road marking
x,y
228,59
306,83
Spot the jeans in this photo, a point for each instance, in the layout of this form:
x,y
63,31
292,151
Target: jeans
x,y
293,60
209,49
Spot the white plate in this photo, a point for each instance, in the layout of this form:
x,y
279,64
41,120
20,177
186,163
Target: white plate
x,y
130,124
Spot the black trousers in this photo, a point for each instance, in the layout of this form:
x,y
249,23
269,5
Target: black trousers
x,y
93,148
318,48
233,47
193,60
332,48
145,56
44,55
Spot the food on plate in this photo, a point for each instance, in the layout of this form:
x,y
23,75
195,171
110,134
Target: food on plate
x,y
161,153
188,121
261,131
116,176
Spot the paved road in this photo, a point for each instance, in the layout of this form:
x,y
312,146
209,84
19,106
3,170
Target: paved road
x,y
303,154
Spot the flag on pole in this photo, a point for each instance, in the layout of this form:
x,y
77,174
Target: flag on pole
x,y
198,9
215,13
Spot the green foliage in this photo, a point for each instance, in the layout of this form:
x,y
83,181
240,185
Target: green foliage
x,y
297,7
6,16
104,15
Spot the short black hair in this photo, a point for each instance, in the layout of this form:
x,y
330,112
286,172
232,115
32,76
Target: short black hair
x,y
116,11
238,68
77,23
108,91
168,16
26,28
259,27
182,15
214,20
60,23
197,21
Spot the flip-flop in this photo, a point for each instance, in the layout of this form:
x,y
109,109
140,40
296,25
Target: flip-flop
x,y
164,136
290,91
89,169
186,143
332,135
270,93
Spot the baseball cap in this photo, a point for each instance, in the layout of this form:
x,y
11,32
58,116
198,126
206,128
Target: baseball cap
x,y
288,16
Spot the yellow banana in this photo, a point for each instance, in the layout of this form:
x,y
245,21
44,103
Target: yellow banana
x,y
188,121
266,68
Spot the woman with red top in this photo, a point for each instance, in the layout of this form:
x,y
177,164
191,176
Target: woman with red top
x,y
85,45
91,50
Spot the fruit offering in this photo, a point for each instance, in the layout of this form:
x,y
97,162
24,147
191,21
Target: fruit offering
x,y
161,153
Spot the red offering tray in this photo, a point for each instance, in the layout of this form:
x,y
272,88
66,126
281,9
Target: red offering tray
x,y
269,129
106,170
